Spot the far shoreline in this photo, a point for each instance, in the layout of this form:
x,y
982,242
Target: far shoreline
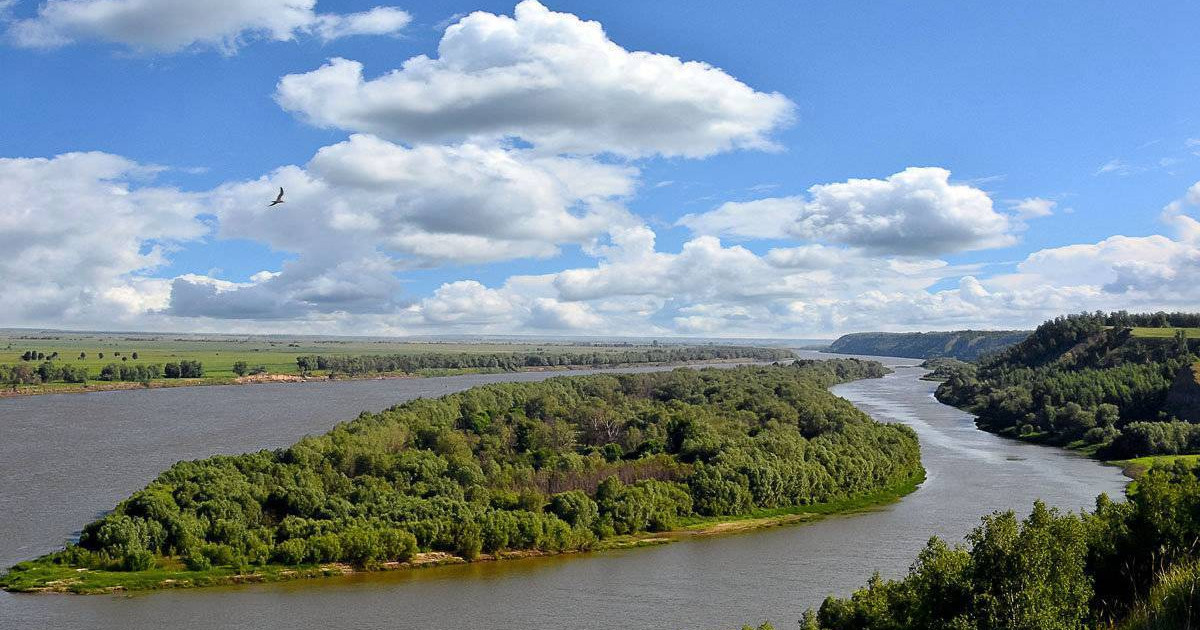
x,y
92,387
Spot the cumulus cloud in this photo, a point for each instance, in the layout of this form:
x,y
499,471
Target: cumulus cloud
x,y
918,211
361,211
376,21
174,25
80,232
710,288
550,79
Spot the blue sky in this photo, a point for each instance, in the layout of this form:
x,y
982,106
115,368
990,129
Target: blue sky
x,y
975,165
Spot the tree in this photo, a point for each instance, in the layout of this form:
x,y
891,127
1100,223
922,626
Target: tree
x,y
240,368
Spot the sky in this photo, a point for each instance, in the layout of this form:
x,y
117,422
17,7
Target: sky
x,y
763,169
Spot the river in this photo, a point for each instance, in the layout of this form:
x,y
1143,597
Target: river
x,y
66,458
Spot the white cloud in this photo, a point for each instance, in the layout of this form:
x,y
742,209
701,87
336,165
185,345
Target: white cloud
x,y
467,302
362,211
1034,207
79,231
917,211
708,288
549,78
1117,166
174,25
376,21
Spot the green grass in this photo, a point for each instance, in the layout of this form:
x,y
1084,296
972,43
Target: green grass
x,y
1136,467
40,575
218,353
1168,333
37,577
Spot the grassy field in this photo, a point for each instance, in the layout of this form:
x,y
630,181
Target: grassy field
x,y
218,354
1167,333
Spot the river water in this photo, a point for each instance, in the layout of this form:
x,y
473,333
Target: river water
x,y
66,458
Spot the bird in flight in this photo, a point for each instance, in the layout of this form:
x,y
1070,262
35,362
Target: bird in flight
x,y
278,199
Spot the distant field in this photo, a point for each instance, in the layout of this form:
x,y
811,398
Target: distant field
x,y
1192,333
219,354
340,357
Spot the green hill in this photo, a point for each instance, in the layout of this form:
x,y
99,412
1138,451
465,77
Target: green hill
x,y
966,345
1093,381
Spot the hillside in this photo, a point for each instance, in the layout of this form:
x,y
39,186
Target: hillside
x,y
966,345
540,467
1092,381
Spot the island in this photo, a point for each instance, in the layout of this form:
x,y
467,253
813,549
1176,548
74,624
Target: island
x,y
567,464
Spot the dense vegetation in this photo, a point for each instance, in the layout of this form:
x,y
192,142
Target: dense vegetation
x,y
966,345
1132,565
511,361
1088,380
545,466
49,371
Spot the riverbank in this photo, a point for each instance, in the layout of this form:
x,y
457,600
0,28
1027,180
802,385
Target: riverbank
x,y
259,379
36,577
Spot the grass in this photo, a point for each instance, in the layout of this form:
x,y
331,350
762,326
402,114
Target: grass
x,y
1134,468
41,576
218,353
1167,333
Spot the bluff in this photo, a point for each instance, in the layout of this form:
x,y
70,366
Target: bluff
x,y
966,345
1119,385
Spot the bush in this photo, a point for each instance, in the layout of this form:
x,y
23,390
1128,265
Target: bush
x,y
137,560
197,561
291,551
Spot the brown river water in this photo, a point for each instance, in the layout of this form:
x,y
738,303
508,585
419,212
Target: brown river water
x,y
64,459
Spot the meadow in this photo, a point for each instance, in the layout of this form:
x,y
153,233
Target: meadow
x,y
273,355
1166,332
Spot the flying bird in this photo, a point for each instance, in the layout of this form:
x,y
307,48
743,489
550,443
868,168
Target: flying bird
x,y
278,199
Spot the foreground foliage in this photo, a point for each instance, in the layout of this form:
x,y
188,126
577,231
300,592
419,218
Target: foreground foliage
x,y
550,466
1127,565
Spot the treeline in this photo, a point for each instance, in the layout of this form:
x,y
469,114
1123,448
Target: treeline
x,y
966,345
548,466
1132,565
512,361
49,372
37,355
1083,379
45,372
